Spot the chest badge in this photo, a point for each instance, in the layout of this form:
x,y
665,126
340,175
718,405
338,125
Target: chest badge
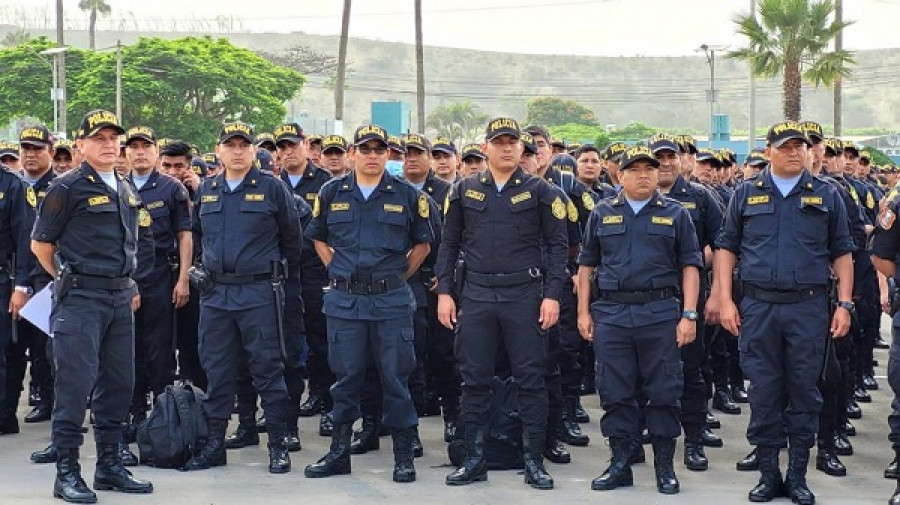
x,y
424,208
144,219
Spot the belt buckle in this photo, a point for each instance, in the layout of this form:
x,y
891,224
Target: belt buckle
x,y
534,272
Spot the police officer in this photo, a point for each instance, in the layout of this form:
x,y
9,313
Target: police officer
x,y
504,301
590,168
643,248
371,230
885,256
86,236
789,230
9,156
249,229
63,159
473,160
212,165
306,178
446,160
166,287
315,148
706,216
334,155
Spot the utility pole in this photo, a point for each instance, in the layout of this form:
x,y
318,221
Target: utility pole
x,y
420,68
341,71
61,66
751,137
119,81
838,45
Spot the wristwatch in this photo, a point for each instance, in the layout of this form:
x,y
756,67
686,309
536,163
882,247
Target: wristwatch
x,y
690,315
850,306
24,289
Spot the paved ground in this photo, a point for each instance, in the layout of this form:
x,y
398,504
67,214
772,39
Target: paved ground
x,y
246,481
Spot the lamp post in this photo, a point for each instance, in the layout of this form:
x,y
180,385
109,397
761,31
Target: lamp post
x,y
57,93
710,52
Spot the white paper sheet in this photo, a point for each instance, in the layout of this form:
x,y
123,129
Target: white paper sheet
x,y
37,310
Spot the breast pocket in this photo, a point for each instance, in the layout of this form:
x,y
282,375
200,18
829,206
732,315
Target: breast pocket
x,y
473,210
759,222
211,219
526,217
812,225
611,237
257,218
393,231
342,229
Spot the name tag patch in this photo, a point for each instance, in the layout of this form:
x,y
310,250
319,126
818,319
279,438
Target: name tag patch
x,y
521,197
475,195
335,207
393,208
311,196
209,198
689,205
756,200
254,197
613,219
155,205
668,221
811,200
98,200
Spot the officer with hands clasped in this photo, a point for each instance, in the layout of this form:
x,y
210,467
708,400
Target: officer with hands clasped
x,y
250,236
86,237
372,232
503,220
644,251
789,229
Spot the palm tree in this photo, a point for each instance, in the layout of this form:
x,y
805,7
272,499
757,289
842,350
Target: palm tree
x,y
458,121
95,7
791,38
342,65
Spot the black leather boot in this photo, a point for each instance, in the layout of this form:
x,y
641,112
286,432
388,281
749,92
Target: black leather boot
x,y
244,435
337,460
131,427
366,439
474,467
750,463
312,406
213,451
450,430
326,427
279,459
638,455
770,484
127,457
46,455
663,465
895,498
618,474
694,456
69,486
893,469
404,468
292,434
569,429
417,447
826,460
554,450
712,423
795,480
581,415
842,445
44,408
853,410
723,402
710,439
111,474
861,395
739,394
536,475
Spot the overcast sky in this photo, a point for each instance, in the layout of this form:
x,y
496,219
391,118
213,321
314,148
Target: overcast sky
x,y
585,27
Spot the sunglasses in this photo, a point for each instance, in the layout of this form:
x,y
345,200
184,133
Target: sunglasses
x,y
368,149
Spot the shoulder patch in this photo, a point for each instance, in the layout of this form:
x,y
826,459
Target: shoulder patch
x,y
870,200
424,208
30,197
558,208
756,200
613,219
668,221
886,218
475,195
572,211
587,201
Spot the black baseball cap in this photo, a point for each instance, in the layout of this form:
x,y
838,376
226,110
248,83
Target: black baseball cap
x,y
834,145
686,143
528,141
473,150
444,145
558,142
236,129
37,135
502,126
709,156
851,146
9,149
637,153
417,141
264,160
813,130
779,133
573,147
366,133
199,166
265,137
96,120
334,142
63,145
314,139
756,159
663,141
140,132
563,163
396,144
615,151
292,132
211,160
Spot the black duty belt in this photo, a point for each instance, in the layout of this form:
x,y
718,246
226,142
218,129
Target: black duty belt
x,y
637,297
234,279
503,280
376,287
100,282
782,296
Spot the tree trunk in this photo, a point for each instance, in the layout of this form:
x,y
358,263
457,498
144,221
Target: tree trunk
x,y
791,91
342,64
92,29
420,69
61,66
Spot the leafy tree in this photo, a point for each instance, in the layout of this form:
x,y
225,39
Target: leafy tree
x,y
550,111
95,7
877,157
577,132
458,121
633,131
305,60
791,38
16,37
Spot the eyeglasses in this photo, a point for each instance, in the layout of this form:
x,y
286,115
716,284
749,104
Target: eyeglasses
x,y
368,149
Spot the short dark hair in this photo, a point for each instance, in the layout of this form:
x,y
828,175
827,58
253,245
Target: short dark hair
x,y
587,148
538,131
177,148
